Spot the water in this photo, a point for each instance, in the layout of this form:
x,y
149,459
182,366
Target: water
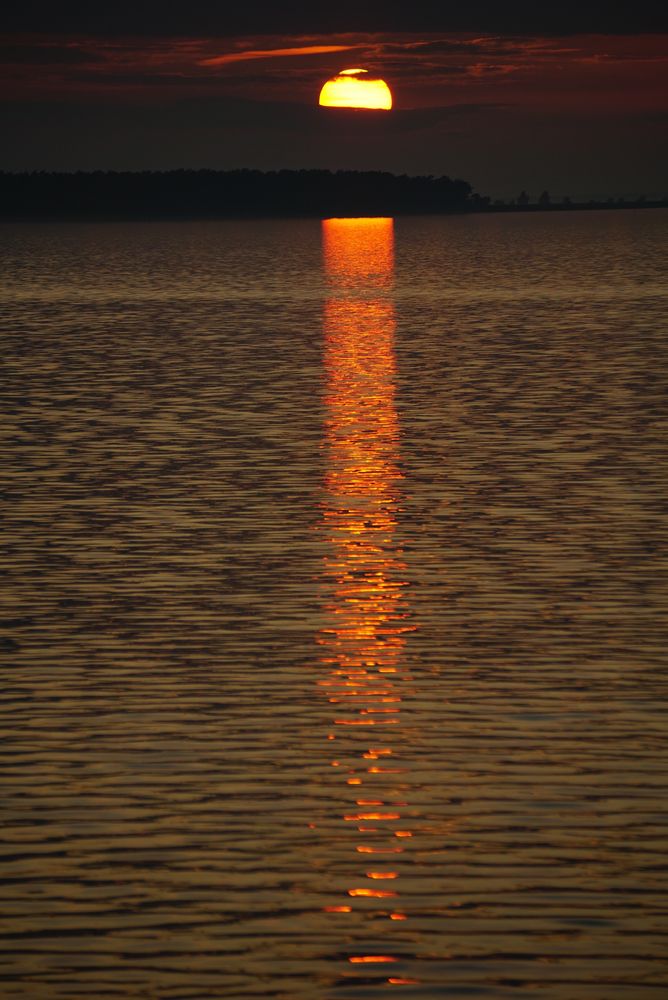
x,y
335,617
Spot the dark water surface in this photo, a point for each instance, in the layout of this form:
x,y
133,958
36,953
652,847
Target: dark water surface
x,y
335,617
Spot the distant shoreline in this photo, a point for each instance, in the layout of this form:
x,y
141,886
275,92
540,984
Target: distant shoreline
x,y
253,194
99,217
578,206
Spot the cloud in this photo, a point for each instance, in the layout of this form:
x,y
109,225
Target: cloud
x,y
306,50
44,55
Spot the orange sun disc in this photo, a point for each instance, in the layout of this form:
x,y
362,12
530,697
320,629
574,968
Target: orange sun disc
x,y
355,88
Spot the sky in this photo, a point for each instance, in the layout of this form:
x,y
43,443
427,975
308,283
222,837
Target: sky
x,y
572,98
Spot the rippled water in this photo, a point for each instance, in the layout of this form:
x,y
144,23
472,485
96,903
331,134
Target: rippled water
x,y
335,617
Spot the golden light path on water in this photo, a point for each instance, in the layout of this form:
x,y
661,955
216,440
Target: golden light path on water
x,y
367,612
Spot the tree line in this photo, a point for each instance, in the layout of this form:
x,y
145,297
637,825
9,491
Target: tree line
x,y
241,193
215,193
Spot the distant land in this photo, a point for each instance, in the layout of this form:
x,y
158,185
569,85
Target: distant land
x,y
200,194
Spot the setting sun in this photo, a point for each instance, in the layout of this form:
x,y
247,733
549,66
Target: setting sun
x,y
355,88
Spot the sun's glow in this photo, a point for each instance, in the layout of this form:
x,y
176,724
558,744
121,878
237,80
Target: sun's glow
x,y
354,88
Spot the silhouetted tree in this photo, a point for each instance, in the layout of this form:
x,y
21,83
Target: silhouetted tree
x,y
544,199
522,199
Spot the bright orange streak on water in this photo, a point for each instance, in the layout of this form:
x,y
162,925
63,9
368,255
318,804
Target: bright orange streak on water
x,y
364,639
372,958
357,722
379,850
354,817
376,893
362,436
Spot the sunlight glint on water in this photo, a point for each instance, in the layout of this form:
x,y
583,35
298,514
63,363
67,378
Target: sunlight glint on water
x,y
369,611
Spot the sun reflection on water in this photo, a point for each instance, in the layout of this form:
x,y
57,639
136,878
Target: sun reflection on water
x,y
367,612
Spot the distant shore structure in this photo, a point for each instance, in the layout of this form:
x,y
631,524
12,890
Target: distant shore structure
x,y
356,88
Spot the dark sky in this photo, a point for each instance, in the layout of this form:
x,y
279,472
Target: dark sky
x,y
150,17
568,96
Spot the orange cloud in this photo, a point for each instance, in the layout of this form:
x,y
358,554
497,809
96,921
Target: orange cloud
x,y
306,50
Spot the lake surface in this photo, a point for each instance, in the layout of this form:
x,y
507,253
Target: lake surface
x,y
335,616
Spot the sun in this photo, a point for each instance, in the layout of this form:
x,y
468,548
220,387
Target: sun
x,y
355,88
